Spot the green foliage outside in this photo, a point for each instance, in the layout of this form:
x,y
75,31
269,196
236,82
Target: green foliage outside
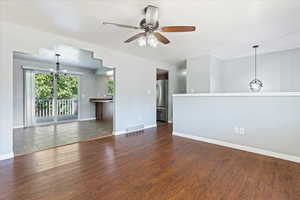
x,y
110,87
67,86
43,86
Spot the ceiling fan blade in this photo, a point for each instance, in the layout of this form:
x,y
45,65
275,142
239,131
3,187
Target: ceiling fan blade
x,y
121,25
161,38
177,28
135,37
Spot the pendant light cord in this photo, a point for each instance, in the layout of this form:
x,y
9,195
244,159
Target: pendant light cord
x,y
255,65
255,47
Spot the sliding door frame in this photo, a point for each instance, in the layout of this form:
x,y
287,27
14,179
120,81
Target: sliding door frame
x,y
33,71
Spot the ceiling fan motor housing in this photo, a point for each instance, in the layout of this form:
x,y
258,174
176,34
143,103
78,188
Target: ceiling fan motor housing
x,y
151,13
148,27
151,28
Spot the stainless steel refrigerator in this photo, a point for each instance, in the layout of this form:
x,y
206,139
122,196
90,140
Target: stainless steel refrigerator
x,y
162,100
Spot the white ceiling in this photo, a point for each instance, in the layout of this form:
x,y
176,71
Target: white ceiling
x,y
225,28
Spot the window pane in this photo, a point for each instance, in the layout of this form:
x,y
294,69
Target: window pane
x,y
110,87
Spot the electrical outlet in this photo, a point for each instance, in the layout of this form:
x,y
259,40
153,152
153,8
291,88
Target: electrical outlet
x,y
239,131
242,131
236,130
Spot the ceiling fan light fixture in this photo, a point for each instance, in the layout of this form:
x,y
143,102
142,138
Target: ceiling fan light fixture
x,y
152,41
150,29
142,41
148,41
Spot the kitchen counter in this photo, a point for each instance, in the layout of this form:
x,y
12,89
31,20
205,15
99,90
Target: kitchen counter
x,y
101,99
99,105
246,94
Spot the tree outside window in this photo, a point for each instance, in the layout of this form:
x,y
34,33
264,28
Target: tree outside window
x,y
110,87
67,86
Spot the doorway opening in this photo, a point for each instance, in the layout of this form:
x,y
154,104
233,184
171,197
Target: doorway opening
x,y
162,100
54,99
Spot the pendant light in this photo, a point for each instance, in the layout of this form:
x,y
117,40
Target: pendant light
x,y
255,85
57,71
57,65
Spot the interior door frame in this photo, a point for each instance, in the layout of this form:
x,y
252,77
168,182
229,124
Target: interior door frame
x,y
168,93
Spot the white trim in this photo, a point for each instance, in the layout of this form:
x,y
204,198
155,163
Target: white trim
x,y
241,147
19,126
53,123
87,119
16,127
125,132
6,156
119,132
260,94
170,121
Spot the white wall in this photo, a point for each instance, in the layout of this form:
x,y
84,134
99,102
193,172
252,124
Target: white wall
x,y
270,122
278,71
198,74
88,88
135,78
6,98
215,76
181,82
101,82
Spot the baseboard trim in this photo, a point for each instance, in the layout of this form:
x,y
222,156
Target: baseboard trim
x,y
126,132
88,119
15,127
6,156
241,147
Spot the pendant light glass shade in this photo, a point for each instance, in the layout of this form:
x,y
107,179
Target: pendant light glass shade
x,y
255,85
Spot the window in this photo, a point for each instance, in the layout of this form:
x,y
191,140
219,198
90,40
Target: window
x,y
110,87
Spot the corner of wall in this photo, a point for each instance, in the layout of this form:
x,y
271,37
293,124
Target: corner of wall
x,y
6,156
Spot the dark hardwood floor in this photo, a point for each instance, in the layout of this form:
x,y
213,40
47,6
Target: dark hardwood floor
x,y
147,165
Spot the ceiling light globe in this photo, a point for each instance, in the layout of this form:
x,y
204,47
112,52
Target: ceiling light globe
x,y
152,41
142,41
255,85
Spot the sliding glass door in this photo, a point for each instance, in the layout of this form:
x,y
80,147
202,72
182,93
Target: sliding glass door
x,y
67,97
50,98
44,110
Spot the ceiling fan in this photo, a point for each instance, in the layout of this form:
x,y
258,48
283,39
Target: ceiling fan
x,y
150,26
